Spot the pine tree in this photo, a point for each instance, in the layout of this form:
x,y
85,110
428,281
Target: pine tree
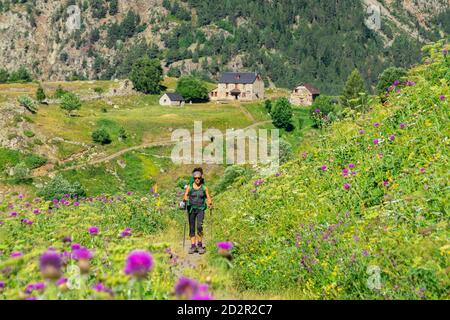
x,y
354,89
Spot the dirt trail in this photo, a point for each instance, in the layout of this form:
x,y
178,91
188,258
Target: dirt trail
x,y
43,171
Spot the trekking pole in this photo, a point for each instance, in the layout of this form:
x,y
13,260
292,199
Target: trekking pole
x,y
211,213
184,232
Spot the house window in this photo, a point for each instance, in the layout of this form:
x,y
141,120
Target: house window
x,y
227,94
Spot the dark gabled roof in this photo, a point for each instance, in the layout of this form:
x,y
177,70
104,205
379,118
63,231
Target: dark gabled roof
x,y
174,96
238,77
310,88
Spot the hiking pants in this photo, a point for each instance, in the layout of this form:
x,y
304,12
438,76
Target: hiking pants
x,y
199,215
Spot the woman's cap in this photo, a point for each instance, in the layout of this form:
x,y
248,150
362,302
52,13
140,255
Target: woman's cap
x,y
197,174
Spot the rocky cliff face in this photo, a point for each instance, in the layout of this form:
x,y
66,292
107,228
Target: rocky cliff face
x,y
40,35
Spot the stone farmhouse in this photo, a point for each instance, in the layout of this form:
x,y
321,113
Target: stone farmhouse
x,y
304,95
240,86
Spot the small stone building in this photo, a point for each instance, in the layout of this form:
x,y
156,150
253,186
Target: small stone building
x,y
171,99
304,95
242,86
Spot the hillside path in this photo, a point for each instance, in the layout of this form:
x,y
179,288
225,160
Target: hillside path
x,y
119,153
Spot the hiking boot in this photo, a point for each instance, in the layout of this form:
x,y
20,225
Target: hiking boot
x,y
192,249
201,250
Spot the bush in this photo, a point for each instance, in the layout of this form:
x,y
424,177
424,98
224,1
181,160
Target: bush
x,y
28,133
174,72
387,78
282,114
60,92
34,161
21,75
146,75
70,102
268,106
58,187
40,94
4,76
229,177
192,89
21,173
28,103
123,135
101,136
321,109
285,151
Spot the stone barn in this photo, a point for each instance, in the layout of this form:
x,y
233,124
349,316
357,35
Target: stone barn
x,y
171,99
304,95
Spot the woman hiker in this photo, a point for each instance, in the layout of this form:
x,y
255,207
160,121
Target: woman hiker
x,y
197,196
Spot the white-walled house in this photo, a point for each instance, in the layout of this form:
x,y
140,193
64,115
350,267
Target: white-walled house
x,y
171,99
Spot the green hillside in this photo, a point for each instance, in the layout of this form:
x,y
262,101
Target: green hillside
x,y
370,193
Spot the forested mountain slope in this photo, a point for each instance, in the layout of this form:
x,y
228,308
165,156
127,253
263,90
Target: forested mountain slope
x,y
288,41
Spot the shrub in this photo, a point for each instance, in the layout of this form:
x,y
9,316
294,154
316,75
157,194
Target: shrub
x,y
282,114
28,103
58,187
123,135
20,75
192,89
60,92
40,94
146,75
70,102
268,106
101,136
4,76
34,161
285,151
387,78
321,109
229,177
99,90
174,72
28,133
21,173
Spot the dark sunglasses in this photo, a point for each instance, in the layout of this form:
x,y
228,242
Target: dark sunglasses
x,y
197,178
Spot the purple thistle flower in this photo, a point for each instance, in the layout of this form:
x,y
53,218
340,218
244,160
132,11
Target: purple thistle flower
x,y
138,263
36,211
76,204
442,98
422,170
365,253
258,182
67,239
82,254
225,245
16,254
386,183
61,281
362,131
126,233
324,168
347,186
376,124
345,172
351,166
396,82
445,52
2,285
20,196
93,230
100,287
50,258
392,137
75,246
186,287
13,214
402,126
317,110
376,142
